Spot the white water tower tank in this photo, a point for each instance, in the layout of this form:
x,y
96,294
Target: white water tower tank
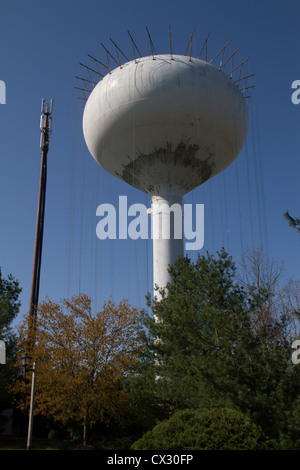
x,y
165,124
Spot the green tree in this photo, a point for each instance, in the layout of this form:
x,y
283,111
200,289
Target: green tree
x,y
215,429
196,331
9,305
9,308
275,324
209,349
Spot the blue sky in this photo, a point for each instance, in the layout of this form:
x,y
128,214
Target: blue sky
x,y
42,44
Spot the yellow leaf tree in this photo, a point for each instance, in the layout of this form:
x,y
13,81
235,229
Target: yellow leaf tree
x,y
83,358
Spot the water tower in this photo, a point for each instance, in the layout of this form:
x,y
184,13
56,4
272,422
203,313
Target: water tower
x,y
165,124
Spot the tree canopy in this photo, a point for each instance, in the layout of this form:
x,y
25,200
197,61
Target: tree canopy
x,y
209,347
83,359
219,339
9,308
9,304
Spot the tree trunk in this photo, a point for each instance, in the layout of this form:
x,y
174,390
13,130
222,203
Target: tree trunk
x,y
85,427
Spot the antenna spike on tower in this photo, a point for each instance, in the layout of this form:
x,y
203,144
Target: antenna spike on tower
x,y
190,43
89,68
151,43
84,79
109,53
229,58
231,71
117,47
204,45
170,42
83,89
98,61
134,46
219,52
244,78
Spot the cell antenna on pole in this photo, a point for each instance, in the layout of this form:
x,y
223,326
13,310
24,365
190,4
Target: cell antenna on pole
x,y
46,129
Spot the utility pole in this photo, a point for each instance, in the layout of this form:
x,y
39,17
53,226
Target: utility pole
x,y
46,129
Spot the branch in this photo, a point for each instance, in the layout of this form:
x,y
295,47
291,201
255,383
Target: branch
x,y
295,223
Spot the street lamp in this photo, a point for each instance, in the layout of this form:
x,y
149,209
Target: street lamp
x,y
25,361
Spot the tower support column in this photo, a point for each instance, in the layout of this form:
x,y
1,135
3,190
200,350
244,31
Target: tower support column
x,y
167,235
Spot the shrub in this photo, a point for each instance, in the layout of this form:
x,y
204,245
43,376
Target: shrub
x,y
215,429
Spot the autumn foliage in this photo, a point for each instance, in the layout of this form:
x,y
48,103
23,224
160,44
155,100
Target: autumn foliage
x,y
83,359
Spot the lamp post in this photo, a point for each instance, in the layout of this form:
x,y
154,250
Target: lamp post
x,y
25,360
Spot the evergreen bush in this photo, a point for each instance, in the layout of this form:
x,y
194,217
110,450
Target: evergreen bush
x,y
214,429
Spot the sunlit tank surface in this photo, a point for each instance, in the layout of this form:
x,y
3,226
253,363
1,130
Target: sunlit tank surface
x,y
165,124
